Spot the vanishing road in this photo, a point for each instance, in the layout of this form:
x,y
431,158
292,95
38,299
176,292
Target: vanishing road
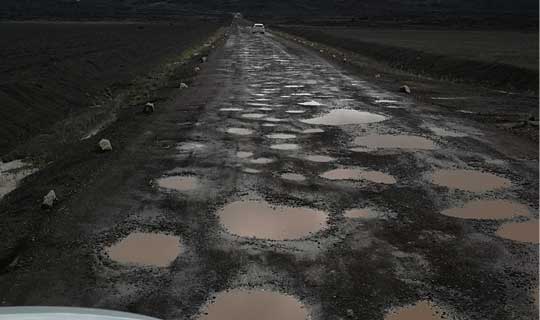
x,y
281,186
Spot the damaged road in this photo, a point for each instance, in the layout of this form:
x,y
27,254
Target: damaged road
x,y
282,178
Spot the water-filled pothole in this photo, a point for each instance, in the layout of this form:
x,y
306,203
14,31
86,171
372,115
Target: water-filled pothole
x,y
488,210
240,131
244,154
261,161
395,142
149,249
179,183
260,219
361,213
253,115
311,103
422,310
338,117
285,146
231,109
251,170
314,130
293,177
359,174
520,231
469,180
295,111
249,304
283,136
320,158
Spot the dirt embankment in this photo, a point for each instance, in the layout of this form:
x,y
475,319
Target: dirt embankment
x,y
56,71
440,66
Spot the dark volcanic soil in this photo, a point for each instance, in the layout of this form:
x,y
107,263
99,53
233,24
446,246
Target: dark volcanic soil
x,y
53,70
403,252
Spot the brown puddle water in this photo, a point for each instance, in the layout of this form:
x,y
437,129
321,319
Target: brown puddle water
x,y
395,142
315,130
253,115
281,136
244,154
293,177
251,170
261,161
240,304
520,231
149,249
320,158
469,180
285,146
422,310
240,131
487,210
358,174
263,220
179,183
338,117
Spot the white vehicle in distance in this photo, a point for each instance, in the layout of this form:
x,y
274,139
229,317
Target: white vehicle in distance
x,y
258,28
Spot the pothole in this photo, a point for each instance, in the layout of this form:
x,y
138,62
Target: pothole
x,y
283,136
285,146
422,310
244,304
179,183
320,158
190,146
244,154
269,125
262,220
240,131
272,119
311,103
231,109
388,141
148,249
261,161
314,130
251,170
339,117
469,180
520,231
488,210
293,177
359,174
295,111
361,213
253,115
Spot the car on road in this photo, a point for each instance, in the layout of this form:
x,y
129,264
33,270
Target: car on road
x,y
258,28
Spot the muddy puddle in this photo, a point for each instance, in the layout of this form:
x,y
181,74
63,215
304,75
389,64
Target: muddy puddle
x,y
520,231
385,101
315,130
179,183
244,154
240,131
320,158
269,125
190,146
488,210
285,146
253,115
231,109
148,249
422,310
272,119
251,170
295,111
361,213
11,173
261,161
387,141
262,220
469,180
249,304
339,117
283,136
311,103
359,174
293,177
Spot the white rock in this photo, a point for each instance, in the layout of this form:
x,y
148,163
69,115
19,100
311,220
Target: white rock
x,y
197,69
405,88
149,108
183,86
49,199
105,145
204,59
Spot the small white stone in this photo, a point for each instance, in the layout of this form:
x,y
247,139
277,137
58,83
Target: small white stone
x,y
49,199
105,145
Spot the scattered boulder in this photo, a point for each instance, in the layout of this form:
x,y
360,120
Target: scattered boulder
x,y
405,89
149,107
334,56
105,145
197,69
378,75
183,86
49,199
204,59
345,59
321,51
